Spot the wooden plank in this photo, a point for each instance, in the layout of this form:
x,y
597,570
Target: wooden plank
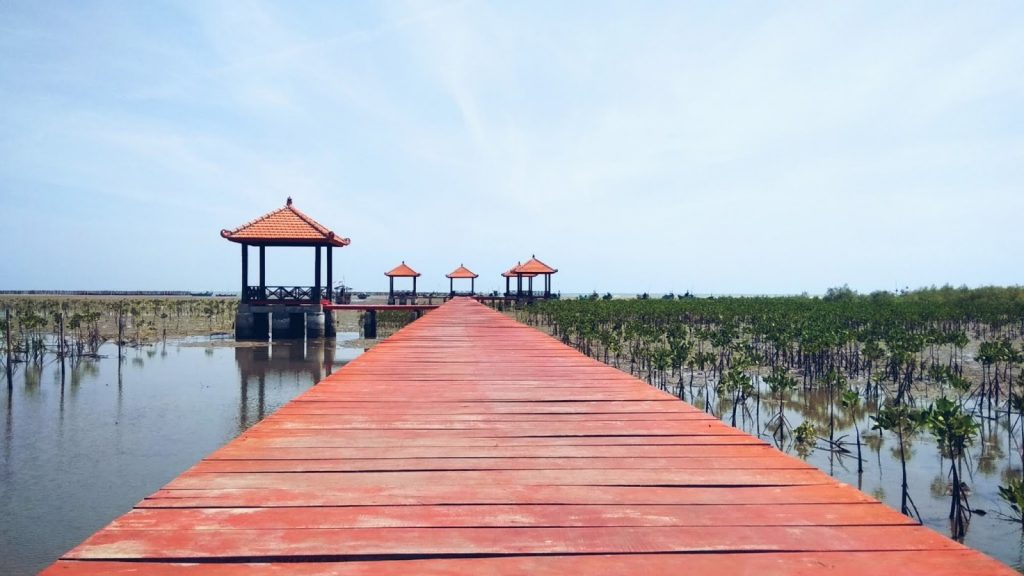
x,y
418,542
341,438
637,477
492,494
273,451
311,406
510,515
455,464
633,428
807,563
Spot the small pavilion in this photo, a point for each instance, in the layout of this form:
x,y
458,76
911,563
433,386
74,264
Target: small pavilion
x,y
531,269
401,271
462,273
286,311
509,274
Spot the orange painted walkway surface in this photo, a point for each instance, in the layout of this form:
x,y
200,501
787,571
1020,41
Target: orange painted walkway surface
x,y
470,444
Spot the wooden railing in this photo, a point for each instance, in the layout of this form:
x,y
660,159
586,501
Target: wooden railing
x,y
283,293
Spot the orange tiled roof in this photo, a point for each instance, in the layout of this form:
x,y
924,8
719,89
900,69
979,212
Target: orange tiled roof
x,y
286,225
462,272
534,266
511,272
402,271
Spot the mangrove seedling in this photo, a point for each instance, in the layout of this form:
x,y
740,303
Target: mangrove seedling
x,y
851,401
954,430
905,422
1013,494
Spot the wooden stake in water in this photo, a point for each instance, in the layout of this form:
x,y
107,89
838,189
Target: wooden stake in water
x,y
62,349
9,360
7,340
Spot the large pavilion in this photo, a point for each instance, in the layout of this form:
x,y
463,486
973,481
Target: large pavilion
x,y
285,311
531,270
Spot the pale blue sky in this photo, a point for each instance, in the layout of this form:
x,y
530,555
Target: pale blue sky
x,y
745,147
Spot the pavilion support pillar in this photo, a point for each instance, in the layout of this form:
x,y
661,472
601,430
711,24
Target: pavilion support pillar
x,y
391,295
329,330
413,290
451,287
263,272
317,295
508,288
330,274
243,315
245,272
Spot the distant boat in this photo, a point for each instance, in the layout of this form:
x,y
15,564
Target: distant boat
x,y
362,295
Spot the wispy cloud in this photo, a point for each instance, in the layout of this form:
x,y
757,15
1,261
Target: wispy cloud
x,y
731,149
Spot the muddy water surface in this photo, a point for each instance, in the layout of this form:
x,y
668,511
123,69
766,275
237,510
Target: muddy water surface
x,y
75,456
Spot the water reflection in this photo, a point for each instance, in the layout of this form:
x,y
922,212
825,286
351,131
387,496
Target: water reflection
x,y
82,445
311,361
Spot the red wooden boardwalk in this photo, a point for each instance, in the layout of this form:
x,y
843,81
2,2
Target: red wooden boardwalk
x,y
470,444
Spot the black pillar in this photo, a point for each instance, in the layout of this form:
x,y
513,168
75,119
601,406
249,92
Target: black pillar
x,y
330,273
245,272
263,272
316,278
472,286
391,289
451,286
370,325
414,289
508,288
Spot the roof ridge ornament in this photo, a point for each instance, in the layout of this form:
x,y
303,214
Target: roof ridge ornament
x,y
288,202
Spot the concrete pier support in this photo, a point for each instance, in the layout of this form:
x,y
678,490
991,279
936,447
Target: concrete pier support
x,y
315,324
370,324
251,325
297,325
282,321
329,330
260,325
244,325
281,325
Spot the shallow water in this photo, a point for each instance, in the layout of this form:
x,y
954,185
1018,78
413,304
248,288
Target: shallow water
x,y
74,457
994,457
